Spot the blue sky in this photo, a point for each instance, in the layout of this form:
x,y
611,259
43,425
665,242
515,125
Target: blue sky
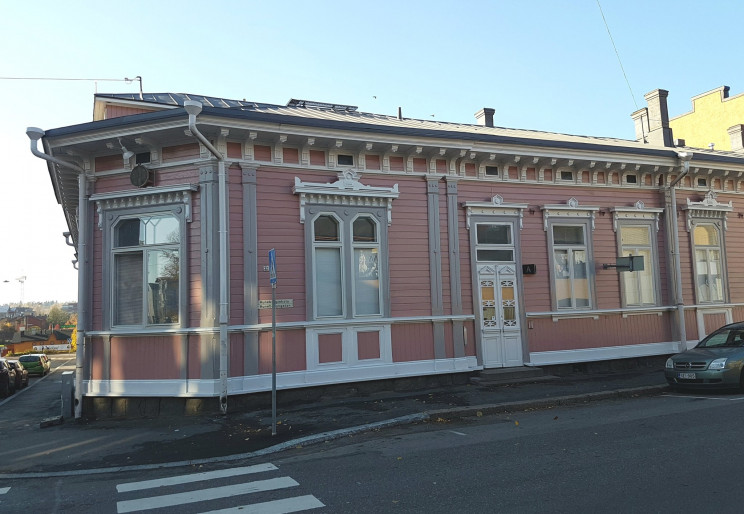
x,y
542,65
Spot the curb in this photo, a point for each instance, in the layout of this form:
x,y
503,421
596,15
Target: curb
x,y
344,432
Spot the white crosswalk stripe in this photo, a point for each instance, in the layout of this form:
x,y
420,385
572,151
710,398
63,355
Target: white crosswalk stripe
x,y
283,506
196,477
222,492
4,490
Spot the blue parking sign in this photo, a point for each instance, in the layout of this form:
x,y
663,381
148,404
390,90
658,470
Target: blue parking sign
x,y
272,265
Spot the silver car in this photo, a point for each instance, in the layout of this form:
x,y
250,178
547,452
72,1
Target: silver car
x,y
716,362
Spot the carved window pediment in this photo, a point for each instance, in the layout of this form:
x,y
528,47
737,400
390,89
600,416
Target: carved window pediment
x,y
496,207
639,211
570,209
347,190
709,208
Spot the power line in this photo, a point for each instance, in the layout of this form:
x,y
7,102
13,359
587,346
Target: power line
x,y
62,78
618,55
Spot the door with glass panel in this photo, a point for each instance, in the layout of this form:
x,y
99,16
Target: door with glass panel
x,y
498,299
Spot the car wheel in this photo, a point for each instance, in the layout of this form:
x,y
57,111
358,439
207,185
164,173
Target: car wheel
x,y
741,380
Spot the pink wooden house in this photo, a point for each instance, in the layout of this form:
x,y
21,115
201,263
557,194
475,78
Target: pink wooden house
x,y
403,247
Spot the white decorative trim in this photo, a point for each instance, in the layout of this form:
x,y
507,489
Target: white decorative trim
x,y
570,210
638,212
151,196
347,190
349,346
261,383
700,314
708,208
496,207
601,354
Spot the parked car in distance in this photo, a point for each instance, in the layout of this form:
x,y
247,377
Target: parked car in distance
x,y
21,380
36,363
7,379
717,361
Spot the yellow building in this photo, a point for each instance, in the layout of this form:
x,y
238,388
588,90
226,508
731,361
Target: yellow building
x,y
715,119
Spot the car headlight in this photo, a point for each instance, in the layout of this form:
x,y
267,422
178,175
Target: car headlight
x,y
669,363
718,363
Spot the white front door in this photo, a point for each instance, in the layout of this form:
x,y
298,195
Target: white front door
x,y
500,326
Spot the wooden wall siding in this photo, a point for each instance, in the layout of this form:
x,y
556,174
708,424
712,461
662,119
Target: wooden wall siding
x,y
419,165
444,248
412,342
109,162
408,241
234,150
470,170
734,240
368,345
466,284
470,338
236,355
601,178
290,351
442,166
712,322
194,363
531,174
607,281
237,248
330,348
449,342
146,358
97,277
180,152
691,325
116,111
583,333
279,227
397,164
194,251
317,158
548,175
262,153
737,314
95,357
291,155
118,182
372,161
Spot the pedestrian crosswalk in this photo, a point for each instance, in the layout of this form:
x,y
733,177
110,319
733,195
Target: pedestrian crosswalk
x,y
4,490
171,492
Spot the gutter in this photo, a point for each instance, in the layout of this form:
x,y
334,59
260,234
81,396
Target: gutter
x,y
685,157
193,109
34,134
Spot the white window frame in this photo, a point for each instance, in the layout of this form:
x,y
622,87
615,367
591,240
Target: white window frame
x,y
153,201
639,215
709,211
571,214
347,199
708,249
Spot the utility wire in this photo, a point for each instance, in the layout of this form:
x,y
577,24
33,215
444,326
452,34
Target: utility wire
x,y
56,78
618,54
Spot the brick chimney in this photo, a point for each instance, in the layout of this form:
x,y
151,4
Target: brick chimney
x,y
484,117
652,122
736,133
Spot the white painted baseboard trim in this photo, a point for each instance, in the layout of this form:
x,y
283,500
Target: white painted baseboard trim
x,y
260,383
601,354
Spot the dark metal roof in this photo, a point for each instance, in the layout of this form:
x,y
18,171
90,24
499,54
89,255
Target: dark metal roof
x,y
341,117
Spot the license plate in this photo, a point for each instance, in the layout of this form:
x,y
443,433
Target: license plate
x,y
686,376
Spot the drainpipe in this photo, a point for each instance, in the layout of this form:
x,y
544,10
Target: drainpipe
x,y
193,109
34,134
685,157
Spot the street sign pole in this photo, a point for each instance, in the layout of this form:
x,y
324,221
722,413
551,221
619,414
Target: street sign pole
x,y
272,275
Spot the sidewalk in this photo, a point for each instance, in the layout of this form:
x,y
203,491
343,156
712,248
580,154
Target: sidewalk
x,y
75,446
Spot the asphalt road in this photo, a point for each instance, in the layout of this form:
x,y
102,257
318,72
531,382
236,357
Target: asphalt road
x,y
671,453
